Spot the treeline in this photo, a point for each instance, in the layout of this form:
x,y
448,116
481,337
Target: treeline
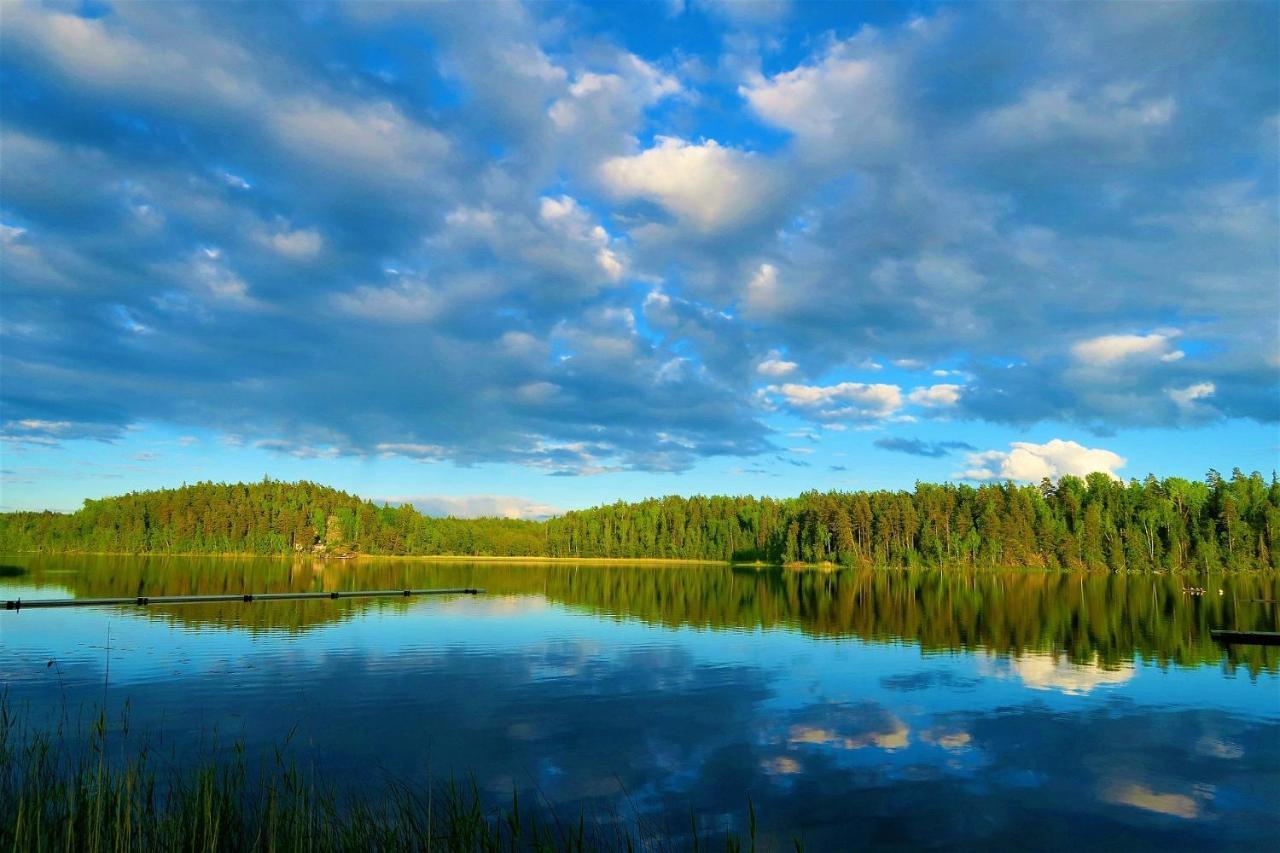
x,y
270,517
1094,523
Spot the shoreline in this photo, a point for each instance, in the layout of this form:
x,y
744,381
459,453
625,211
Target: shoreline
x,y
360,558
823,568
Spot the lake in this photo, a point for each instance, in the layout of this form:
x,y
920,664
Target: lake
x,y
851,709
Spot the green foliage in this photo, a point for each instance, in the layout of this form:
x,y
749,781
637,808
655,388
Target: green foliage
x,y
269,517
1094,523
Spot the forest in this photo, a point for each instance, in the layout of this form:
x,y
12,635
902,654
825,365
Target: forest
x,y
1096,522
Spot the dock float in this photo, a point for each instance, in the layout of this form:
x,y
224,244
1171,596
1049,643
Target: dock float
x,y
247,598
1247,638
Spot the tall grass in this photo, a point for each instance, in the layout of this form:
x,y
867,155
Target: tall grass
x,y
66,794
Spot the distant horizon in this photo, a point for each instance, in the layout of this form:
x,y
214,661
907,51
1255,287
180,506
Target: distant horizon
x,y
545,256
522,508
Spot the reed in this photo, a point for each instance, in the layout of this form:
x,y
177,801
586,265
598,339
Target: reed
x,y
60,792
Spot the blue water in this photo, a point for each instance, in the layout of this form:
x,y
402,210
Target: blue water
x,y
840,741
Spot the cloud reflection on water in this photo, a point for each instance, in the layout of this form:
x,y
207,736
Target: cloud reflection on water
x,y
1051,671
663,728
836,737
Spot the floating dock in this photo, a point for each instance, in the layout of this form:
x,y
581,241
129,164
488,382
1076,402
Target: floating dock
x,y
246,598
1247,638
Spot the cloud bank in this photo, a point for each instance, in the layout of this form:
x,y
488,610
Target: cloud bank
x,y
365,229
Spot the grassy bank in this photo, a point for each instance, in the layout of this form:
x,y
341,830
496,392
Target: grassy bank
x,y
60,793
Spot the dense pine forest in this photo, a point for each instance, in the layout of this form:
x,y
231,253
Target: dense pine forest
x,y
1095,522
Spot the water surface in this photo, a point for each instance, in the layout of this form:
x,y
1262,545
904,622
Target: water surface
x,y
869,709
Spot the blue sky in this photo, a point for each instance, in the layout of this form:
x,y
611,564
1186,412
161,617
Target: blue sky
x,y
515,259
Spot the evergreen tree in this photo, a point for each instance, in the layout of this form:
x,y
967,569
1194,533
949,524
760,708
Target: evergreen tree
x,y
1095,523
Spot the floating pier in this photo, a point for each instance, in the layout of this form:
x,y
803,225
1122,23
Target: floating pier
x,y
247,598
1247,638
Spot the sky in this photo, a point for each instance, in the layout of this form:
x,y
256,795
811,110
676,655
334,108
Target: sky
x,y
493,258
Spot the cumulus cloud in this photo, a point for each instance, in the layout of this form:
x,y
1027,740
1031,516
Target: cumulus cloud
x,y
1033,462
1110,349
844,104
302,244
406,301
857,400
1187,398
604,104
371,142
540,247
936,396
1120,117
706,185
565,215
775,365
845,400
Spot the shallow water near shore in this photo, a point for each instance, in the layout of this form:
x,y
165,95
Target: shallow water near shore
x,y
851,708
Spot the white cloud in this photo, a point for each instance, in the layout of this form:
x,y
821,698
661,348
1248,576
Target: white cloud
x,y
845,103
774,365
89,50
407,301
568,218
204,77
537,393
1115,115
1186,398
614,98
300,245
531,62
130,323
934,396
608,261
845,400
932,251
298,450
707,185
423,452
235,181
1033,462
763,293
209,275
1109,349
37,425
373,141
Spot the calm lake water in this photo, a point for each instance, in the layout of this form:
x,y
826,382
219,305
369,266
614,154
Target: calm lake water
x,y
853,709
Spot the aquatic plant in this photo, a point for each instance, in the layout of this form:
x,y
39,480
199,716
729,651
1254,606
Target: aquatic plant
x,y
59,791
